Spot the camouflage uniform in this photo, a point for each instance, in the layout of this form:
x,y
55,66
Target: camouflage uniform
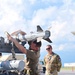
x,y
31,65
52,63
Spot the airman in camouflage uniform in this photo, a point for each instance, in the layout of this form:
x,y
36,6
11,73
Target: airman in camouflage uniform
x,y
31,67
52,62
32,55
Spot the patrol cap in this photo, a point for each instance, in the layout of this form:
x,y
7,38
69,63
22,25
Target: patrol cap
x,y
35,41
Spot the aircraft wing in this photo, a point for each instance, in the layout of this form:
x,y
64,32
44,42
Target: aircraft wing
x,y
7,49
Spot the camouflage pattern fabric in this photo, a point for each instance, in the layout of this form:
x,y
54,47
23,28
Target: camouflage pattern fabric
x,y
31,67
52,63
54,73
29,72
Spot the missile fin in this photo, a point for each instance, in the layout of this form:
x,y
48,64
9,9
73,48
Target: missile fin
x,y
39,29
47,39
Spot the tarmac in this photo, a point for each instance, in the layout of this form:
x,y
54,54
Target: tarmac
x,y
60,73
63,73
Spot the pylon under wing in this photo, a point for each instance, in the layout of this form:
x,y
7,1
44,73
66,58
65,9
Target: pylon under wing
x,y
7,47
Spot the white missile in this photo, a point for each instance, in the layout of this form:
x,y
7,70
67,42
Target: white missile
x,y
40,34
12,65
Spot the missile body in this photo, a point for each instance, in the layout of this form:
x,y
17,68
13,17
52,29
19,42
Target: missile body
x,y
12,65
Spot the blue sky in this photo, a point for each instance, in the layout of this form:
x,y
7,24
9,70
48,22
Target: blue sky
x,y
57,14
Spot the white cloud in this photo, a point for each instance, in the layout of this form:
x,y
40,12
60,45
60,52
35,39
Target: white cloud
x,y
67,2
61,47
52,1
62,19
10,15
42,15
32,1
